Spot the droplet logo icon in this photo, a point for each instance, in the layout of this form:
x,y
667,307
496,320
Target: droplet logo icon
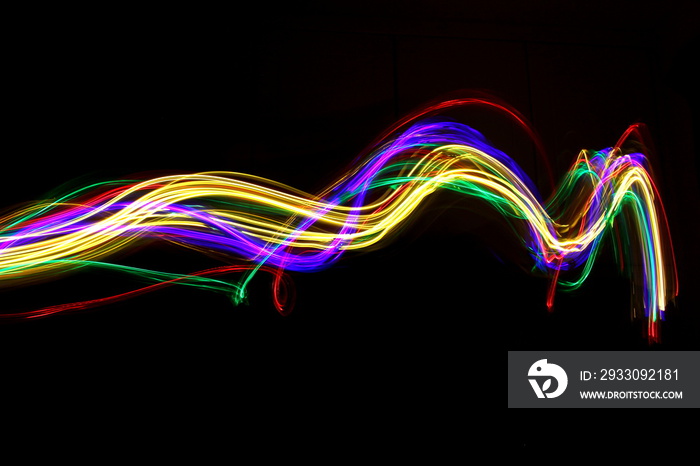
x,y
543,371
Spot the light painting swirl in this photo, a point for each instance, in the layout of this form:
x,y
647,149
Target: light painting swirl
x,y
254,224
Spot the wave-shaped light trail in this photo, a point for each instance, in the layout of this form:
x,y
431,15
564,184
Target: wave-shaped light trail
x,y
258,224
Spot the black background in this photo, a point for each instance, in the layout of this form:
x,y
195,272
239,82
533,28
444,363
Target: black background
x,y
294,95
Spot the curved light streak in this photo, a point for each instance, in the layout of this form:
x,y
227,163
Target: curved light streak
x,y
259,224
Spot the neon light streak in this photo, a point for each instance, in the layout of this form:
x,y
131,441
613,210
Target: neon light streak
x,y
262,225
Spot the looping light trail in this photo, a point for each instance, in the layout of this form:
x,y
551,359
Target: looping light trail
x,y
258,224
